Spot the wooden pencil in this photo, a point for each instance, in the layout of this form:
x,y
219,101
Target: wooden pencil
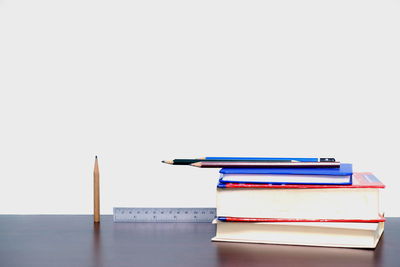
x,y
257,164
96,192
190,161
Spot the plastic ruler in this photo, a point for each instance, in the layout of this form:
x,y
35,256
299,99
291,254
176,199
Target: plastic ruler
x,y
198,215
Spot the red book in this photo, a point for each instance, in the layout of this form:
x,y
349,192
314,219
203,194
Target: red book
x,y
255,220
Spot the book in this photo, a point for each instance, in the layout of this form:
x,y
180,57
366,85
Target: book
x,y
325,176
329,234
358,201
242,219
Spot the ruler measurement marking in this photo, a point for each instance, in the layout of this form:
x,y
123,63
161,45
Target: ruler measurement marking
x,y
164,214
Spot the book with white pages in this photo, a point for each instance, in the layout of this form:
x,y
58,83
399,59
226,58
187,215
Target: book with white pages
x,y
327,234
321,176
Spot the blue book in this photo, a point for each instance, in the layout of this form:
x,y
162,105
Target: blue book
x,y
322,176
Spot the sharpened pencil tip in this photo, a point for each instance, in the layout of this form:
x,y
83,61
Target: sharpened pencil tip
x,y
196,164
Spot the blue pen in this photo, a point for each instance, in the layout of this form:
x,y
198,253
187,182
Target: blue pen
x,y
271,158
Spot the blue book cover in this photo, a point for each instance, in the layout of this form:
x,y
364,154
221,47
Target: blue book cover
x,y
311,176
345,169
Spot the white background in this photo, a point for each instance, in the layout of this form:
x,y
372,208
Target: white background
x,y
136,82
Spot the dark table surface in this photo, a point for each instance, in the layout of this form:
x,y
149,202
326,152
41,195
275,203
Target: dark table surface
x,y
73,240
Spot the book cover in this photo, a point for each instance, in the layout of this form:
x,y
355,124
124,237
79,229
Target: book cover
x,y
359,180
345,169
314,176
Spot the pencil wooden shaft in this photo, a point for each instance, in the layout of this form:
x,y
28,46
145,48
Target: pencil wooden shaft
x,y
96,192
190,161
252,164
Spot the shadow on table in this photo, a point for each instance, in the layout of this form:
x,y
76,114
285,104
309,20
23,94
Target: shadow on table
x,y
242,254
97,246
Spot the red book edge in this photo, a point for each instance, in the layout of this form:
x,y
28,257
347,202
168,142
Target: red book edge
x,y
241,219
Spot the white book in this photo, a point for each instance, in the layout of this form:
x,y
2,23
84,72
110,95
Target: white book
x,y
359,201
355,235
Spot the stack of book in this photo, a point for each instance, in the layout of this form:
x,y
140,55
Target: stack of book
x,y
294,201
299,206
